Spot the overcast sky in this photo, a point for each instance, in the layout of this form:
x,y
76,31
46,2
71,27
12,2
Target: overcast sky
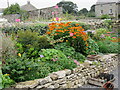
x,y
47,3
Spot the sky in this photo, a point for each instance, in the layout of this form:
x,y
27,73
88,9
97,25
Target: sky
x,y
48,3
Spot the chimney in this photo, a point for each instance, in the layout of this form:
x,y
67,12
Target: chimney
x,y
28,2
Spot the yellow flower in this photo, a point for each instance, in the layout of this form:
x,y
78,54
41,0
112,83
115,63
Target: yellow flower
x,y
29,68
7,74
19,54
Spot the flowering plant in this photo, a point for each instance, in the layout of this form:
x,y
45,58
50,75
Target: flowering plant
x,y
65,32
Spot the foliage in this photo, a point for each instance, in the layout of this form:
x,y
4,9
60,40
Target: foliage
x,y
92,47
68,6
83,11
22,69
79,57
74,34
30,42
108,46
105,16
8,46
6,81
57,57
99,33
1,85
70,51
13,9
108,24
40,28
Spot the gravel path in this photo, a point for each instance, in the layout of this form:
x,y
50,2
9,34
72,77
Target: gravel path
x,y
116,73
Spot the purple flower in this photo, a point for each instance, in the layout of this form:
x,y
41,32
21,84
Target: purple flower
x,y
41,56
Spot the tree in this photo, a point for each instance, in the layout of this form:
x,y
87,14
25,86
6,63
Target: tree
x,y
91,13
83,11
68,7
13,9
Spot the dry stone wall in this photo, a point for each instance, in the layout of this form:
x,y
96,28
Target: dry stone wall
x,y
73,78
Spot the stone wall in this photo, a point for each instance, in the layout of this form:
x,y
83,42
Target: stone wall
x,y
76,77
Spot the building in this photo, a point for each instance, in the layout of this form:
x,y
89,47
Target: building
x,y
45,13
108,7
1,11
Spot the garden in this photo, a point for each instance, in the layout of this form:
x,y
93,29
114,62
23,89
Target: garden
x,y
33,51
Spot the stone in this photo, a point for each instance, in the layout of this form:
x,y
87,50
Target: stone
x,y
86,64
42,81
51,87
47,85
70,76
48,79
41,86
67,71
64,86
56,85
53,76
27,84
60,74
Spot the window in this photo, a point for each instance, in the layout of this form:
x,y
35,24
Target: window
x,y
110,10
101,11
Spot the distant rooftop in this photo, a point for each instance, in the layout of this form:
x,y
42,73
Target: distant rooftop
x,y
107,1
28,7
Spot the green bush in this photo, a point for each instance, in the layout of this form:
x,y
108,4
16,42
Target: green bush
x,y
6,81
41,29
93,48
8,46
108,46
65,48
57,57
22,69
105,17
99,33
70,51
30,42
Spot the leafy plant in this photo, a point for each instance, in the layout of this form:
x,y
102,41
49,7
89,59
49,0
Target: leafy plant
x,y
57,57
8,46
30,42
70,51
6,81
92,47
108,46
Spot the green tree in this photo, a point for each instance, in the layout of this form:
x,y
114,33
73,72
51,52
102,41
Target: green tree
x,y
13,9
83,11
68,6
91,13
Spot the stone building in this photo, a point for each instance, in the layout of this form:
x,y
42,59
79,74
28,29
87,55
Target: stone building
x,y
45,13
108,7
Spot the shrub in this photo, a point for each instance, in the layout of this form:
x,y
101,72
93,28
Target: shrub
x,y
6,81
105,17
57,57
30,42
8,46
92,47
22,69
41,29
70,51
99,33
108,46
65,32
65,48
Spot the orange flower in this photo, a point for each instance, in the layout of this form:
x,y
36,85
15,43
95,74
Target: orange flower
x,y
74,37
48,32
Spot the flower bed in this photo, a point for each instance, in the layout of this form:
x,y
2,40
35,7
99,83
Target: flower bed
x,y
29,55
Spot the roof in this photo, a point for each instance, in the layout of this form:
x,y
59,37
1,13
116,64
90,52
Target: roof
x,y
107,1
28,7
